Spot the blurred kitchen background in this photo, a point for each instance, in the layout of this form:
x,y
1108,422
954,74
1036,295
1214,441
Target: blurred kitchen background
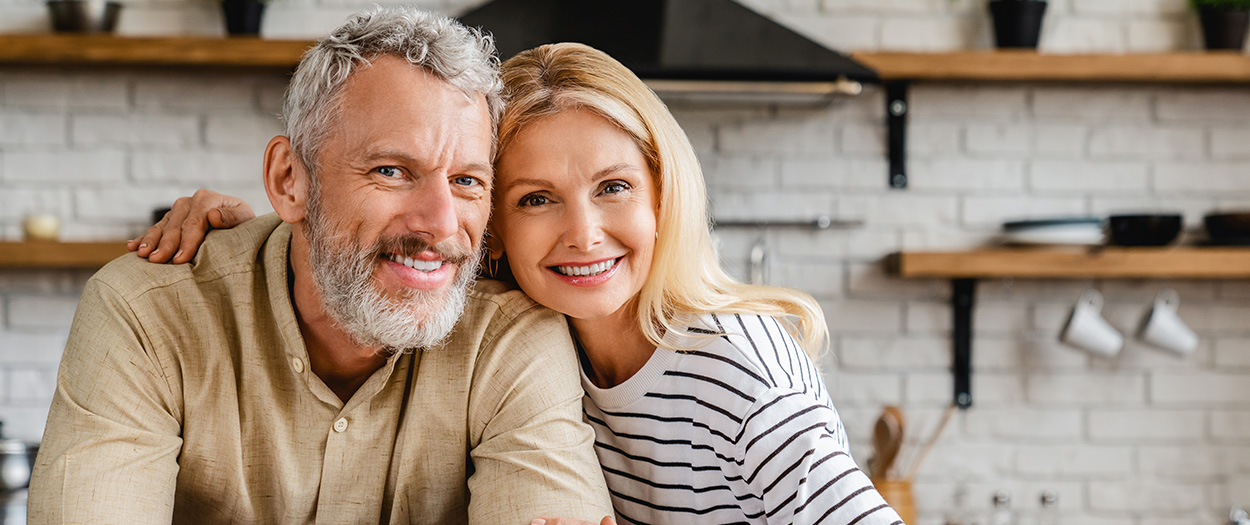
x,y
1143,438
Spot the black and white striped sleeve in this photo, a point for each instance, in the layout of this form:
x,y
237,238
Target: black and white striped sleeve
x,y
792,454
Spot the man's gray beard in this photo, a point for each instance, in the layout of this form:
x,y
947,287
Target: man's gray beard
x,y
351,297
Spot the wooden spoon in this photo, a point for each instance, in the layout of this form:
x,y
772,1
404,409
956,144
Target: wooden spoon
x,y
887,439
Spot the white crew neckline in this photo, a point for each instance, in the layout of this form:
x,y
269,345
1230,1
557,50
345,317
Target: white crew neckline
x,y
634,388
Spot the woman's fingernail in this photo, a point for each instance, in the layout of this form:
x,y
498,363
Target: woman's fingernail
x,y
538,521
156,251
144,245
177,253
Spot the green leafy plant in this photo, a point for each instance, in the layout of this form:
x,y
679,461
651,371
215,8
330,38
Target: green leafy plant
x,y
1221,4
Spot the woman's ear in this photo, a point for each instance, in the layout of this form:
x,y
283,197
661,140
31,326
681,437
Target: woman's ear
x,y
493,244
286,181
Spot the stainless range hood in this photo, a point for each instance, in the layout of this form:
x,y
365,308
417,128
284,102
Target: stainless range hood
x,y
717,48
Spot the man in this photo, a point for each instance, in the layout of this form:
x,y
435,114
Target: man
x,y
301,369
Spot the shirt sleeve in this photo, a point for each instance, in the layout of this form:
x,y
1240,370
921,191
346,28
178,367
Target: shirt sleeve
x,y
110,449
794,456
532,453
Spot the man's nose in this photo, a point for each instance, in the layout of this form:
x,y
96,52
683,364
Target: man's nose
x,y
432,211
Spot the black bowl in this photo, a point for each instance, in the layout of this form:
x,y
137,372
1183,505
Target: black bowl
x,y
1221,226
84,16
1150,229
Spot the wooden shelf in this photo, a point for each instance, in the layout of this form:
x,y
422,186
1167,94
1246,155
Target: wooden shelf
x,y
1197,67
59,254
194,51
1102,263
108,50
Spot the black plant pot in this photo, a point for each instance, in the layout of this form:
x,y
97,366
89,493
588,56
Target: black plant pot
x,y
242,16
1017,23
1224,28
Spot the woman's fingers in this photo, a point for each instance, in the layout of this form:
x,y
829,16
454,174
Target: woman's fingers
x,y
160,242
231,213
177,236
198,220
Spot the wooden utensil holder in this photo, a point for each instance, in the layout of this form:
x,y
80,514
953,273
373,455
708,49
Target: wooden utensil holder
x,y
898,494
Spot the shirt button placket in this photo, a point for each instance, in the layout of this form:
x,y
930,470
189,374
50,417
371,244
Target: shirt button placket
x,y
298,365
340,424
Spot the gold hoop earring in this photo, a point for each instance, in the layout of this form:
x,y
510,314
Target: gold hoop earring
x,y
492,266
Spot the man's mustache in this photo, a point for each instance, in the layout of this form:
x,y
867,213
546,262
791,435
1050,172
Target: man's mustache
x,y
411,244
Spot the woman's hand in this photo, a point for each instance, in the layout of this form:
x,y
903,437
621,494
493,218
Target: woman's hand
x,y
179,234
607,520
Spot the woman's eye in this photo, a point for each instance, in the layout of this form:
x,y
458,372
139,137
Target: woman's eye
x,y
534,200
615,187
390,172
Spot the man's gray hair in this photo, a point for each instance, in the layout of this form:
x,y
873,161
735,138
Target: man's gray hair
x,y
462,56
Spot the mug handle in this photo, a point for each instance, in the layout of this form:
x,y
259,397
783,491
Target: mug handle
x,y
1092,299
1169,298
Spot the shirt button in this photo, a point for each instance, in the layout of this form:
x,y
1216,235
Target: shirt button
x,y
340,425
298,365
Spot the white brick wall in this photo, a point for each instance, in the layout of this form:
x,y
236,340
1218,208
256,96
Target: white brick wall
x,y
1145,426
138,130
1075,461
1145,438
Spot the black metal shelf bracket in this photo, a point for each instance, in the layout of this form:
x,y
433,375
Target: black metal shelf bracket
x,y
896,110
963,300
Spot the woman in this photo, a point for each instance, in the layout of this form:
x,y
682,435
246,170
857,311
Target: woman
x,y
706,407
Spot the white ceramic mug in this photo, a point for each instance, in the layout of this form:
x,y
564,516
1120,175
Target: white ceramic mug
x,y
1087,330
1163,328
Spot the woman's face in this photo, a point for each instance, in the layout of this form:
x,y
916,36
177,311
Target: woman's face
x,y
575,209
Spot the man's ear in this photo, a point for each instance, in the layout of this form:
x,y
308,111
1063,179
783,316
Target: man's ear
x,y
286,181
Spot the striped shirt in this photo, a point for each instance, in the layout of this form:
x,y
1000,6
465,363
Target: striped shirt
x,y
737,430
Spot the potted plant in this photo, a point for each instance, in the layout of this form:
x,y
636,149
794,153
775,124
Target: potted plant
x,y
1018,23
243,16
1224,22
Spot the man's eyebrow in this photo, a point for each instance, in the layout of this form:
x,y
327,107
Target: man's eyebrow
x,y
479,167
388,154
372,156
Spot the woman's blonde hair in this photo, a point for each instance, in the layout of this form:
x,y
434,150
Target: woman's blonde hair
x,y
686,277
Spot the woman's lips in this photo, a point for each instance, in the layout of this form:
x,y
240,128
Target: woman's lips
x,y
595,273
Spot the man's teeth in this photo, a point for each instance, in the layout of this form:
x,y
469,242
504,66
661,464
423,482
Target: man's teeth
x,y
594,269
424,266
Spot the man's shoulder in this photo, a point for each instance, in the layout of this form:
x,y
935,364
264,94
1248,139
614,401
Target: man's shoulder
x,y
504,299
224,252
498,311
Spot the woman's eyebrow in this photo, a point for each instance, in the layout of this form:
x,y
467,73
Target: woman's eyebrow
x,y
615,168
546,184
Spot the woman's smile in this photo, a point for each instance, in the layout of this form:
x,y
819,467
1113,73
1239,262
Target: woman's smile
x,y
589,274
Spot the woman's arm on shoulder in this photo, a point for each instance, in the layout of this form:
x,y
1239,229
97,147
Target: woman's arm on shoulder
x,y
180,233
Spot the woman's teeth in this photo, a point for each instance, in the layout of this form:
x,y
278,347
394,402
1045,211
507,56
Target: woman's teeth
x,y
582,271
424,266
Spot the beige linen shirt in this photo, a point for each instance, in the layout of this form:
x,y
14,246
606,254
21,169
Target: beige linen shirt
x,y
185,394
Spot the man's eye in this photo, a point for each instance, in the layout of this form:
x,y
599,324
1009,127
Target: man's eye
x,y
390,172
534,200
466,180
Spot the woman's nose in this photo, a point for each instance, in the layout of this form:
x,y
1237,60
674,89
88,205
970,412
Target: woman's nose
x,y
583,227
